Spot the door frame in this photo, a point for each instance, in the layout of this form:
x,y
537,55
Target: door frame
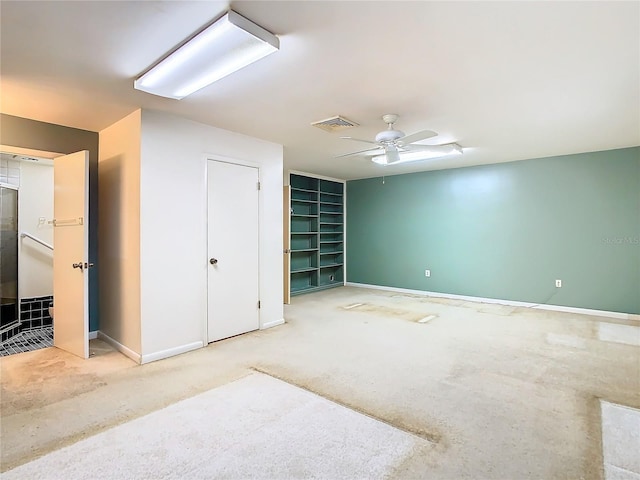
x,y
214,157
286,243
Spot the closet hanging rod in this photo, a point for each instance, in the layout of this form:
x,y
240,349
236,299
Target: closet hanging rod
x,y
37,240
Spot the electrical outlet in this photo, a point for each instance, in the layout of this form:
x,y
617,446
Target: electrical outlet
x,y
558,283
427,273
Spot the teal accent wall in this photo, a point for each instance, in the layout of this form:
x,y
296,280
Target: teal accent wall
x,y
505,231
49,137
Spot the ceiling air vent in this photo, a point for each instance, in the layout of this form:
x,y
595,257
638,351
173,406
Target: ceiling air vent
x,y
334,124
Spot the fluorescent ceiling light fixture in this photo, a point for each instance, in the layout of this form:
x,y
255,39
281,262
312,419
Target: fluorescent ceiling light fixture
x,y
229,44
438,151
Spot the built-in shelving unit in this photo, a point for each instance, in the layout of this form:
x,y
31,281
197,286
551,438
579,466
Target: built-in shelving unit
x,y
317,233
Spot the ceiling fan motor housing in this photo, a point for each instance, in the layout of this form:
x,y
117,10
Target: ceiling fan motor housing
x,y
389,136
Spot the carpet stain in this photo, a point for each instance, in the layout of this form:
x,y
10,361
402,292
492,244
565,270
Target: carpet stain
x,y
452,302
44,377
384,311
399,423
494,309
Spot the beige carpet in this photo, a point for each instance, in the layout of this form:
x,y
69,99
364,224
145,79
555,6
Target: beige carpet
x,y
620,441
255,427
502,393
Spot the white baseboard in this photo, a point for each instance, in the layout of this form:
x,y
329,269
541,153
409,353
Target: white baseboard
x,y
274,323
557,308
118,346
93,335
588,311
170,352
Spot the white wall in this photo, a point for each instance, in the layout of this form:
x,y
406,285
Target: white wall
x,y
10,172
35,201
173,231
119,233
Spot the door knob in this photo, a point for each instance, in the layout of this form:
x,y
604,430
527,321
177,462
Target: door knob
x,y
78,265
213,261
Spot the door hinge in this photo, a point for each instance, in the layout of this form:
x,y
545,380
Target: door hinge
x,y
258,304
258,185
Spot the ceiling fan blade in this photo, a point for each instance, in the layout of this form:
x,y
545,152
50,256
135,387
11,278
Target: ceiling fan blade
x,y
359,140
368,151
416,137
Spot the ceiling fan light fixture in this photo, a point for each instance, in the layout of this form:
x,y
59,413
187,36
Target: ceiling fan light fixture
x,y
440,151
389,136
226,46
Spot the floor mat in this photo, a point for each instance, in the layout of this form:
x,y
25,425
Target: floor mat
x,y
255,427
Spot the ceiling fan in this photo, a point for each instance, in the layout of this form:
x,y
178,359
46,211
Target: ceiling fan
x,y
393,146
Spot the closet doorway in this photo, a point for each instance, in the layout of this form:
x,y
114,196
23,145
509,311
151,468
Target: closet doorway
x,y
52,210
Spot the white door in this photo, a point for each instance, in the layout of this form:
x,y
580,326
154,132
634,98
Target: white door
x,y
71,253
233,201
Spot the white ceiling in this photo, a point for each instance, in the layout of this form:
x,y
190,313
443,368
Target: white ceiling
x,y
506,80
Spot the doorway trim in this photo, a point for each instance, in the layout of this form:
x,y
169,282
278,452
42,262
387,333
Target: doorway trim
x,y
234,161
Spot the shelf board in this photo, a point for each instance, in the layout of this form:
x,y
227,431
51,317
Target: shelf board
x,y
315,288
304,233
303,270
331,241
305,216
303,200
330,193
302,289
331,203
331,253
296,189
331,223
331,213
304,250
332,265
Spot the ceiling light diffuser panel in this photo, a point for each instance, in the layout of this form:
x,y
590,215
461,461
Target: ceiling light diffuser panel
x,y
229,44
437,151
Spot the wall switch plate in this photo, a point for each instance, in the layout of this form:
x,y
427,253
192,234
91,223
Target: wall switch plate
x,y
558,283
427,273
